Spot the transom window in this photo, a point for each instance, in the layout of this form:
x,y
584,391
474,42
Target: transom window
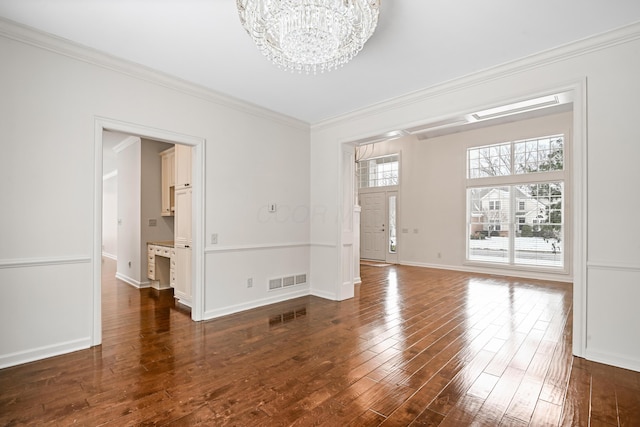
x,y
515,199
379,171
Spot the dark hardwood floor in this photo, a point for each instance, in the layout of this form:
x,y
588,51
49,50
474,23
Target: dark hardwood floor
x,y
414,347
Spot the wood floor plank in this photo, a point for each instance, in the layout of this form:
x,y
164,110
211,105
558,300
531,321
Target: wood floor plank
x,y
415,346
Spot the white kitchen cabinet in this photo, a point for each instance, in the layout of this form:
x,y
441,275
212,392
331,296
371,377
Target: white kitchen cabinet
x,y
182,224
182,288
158,264
168,181
183,166
183,243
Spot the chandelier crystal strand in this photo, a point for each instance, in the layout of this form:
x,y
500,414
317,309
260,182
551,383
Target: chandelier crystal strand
x,y
309,36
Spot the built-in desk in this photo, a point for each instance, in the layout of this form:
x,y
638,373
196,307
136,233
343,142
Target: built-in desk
x,y
161,264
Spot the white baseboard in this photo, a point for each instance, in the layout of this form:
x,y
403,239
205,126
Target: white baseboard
x,y
133,282
224,311
26,356
613,360
323,294
495,271
110,256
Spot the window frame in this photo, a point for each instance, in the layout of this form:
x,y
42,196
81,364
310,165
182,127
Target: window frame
x,y
512,180
376,158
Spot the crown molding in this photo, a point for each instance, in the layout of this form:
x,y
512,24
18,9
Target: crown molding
x,y
28,35
570,50
127,142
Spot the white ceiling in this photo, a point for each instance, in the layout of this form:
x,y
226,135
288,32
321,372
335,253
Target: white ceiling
x,y
418,44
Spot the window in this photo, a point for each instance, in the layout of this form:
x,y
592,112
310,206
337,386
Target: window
x,y
515,199
392,224
521,223
378,172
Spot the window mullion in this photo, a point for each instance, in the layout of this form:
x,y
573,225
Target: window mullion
x,y
512,215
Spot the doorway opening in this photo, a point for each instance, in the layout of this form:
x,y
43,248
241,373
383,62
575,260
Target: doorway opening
x,y
378,225
192,205
377,195
569,99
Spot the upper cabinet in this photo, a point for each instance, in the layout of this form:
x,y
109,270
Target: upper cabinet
x,y
168,181
183,166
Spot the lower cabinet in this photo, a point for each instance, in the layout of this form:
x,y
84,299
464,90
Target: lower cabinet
x,y
172,268
182,287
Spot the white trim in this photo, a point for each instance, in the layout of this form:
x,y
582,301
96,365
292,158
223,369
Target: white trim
x,y
538,60
18,358
280,297
110,175
579,215
110,256
323,245
133,282
526,274
255,247
613,360
127,142
31,36
617,266
38,262
324,295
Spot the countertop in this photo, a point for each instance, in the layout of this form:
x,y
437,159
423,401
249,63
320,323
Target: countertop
x,y
167,243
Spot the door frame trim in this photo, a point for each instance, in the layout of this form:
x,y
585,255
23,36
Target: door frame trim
x,y
198,214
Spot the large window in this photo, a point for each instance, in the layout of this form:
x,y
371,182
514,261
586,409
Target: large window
x,y
515,199
378,172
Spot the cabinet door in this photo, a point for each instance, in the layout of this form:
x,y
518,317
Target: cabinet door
x,y
182,224
183,166
168,181
182,289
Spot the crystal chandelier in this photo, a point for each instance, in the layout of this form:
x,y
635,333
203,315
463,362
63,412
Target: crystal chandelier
x,y
309,35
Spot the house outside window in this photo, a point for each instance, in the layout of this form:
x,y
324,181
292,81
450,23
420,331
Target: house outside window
x,y
515,199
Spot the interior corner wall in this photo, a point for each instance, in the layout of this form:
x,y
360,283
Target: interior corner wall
x,y
610,65
53,93
129,263
110,217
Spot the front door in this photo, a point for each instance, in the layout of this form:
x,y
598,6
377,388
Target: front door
x,y
373,230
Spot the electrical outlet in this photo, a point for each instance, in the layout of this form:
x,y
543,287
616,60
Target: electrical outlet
x,y
250,282
153,222
214,239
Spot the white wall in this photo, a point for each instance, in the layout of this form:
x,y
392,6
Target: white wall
x,y
53,93
606,327
110,216
432,192
129,263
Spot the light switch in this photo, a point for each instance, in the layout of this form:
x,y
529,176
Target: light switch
x,y
273,207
